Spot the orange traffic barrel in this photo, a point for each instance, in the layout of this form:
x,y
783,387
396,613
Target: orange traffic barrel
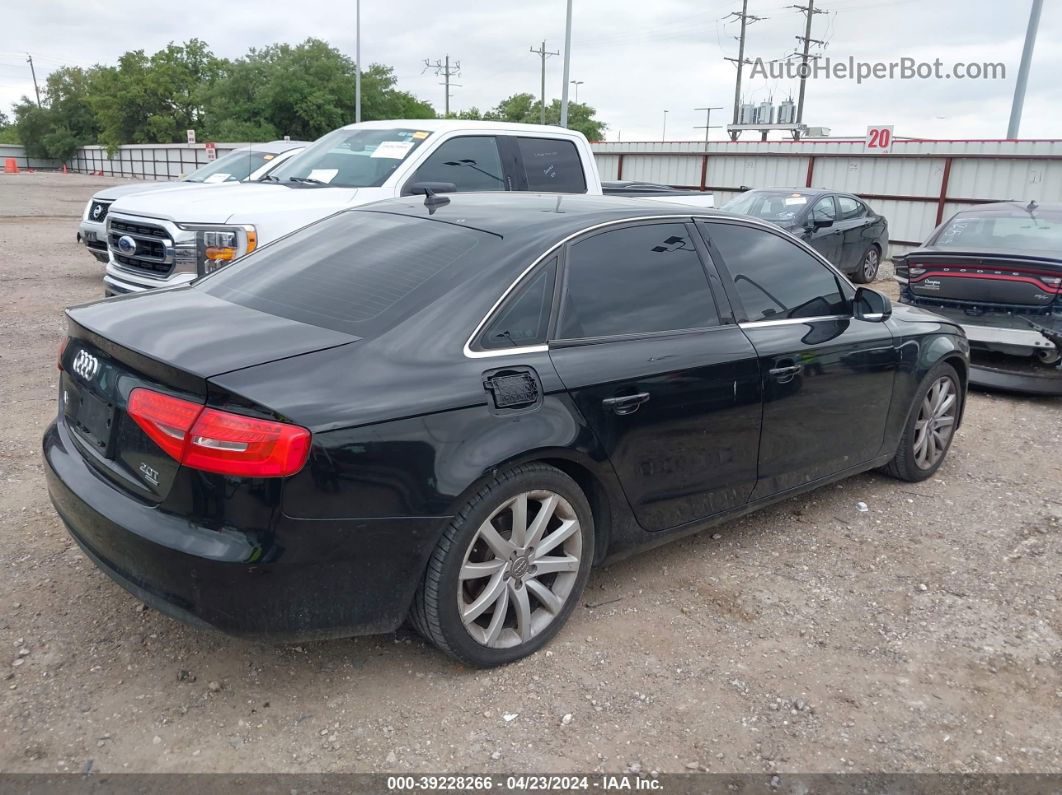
x,y
10,166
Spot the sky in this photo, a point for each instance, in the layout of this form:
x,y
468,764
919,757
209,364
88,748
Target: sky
x,y
636,58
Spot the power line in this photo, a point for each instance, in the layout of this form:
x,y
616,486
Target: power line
x,y
543,53
707,121
444,70
808,11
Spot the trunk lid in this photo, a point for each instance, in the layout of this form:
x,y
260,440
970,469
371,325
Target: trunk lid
x,y
988,279
135,341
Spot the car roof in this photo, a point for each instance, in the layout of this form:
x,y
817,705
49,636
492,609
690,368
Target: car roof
x,y
276,147
537,215
798,191
1011,208
446,125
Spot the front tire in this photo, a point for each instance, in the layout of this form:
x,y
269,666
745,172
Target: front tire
x,y
930,426
868,266
509,568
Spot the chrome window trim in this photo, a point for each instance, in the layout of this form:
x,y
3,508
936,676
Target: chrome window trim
x,y
471,354
792,321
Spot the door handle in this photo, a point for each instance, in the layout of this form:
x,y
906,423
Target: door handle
x,y
625,404
786,374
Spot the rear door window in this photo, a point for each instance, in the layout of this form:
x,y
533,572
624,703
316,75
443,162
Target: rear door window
x,y
471,162
552,165
635,280
850,208
524,318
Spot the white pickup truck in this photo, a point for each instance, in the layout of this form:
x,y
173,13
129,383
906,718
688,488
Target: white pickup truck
x,y
245,163
170,238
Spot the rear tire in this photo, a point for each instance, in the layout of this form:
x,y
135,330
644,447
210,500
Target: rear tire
x,y
930,426
869,265
509,568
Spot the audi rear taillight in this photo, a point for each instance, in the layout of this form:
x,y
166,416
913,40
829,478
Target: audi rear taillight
x,y
219,441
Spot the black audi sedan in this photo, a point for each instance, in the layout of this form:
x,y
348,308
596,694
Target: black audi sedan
x,y
840,226
448,410
996,269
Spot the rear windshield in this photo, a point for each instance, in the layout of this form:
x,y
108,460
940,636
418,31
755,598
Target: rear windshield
x,y
1035,231
774,206
233,167
355,272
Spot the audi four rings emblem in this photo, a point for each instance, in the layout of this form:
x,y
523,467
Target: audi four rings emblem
x,y
86,365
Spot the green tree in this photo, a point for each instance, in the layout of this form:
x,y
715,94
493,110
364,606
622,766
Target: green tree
x,y
525,109
154,99
303,91
8,133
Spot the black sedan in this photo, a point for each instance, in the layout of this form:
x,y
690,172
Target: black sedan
x,y
840,226
996,269
449,409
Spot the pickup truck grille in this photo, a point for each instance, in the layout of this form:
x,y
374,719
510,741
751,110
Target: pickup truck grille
x,y
98,211
153,252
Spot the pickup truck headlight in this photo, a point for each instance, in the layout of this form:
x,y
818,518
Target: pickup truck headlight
x,y
215,246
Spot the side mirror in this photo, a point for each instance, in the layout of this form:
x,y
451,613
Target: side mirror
x,y
428,188
871,305
821,223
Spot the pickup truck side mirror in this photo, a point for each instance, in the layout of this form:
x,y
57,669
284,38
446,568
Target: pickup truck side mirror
x,y
871,305
428,188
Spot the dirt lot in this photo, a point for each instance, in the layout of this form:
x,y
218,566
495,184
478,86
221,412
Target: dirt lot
x,y
922,634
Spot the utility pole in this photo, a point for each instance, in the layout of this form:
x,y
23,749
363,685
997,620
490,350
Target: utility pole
x,y
567,65
1023,69
740,61
33,72
576,83
809,11
357,63
543,53
444,70
663,133
707,122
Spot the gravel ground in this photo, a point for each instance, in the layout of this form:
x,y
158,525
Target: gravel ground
x,y
919,635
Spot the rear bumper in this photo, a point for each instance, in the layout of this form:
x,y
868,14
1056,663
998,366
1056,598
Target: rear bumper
x,y
300,580
1032,383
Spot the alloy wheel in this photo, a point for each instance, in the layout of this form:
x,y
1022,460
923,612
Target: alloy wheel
x,y
520,569
870,264
935,423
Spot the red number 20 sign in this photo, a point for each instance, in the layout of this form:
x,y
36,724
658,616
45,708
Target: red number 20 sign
x,y
879,140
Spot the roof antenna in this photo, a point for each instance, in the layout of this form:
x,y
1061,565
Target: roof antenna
x,y
432,200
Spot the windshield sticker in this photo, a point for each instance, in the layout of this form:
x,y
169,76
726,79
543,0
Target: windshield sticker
x,y
323,174
393,150
268,157
796,200
217,177
420,135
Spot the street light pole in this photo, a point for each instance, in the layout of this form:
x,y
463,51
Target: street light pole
x,y
577,83
663,134
567,65
357,65
1023,69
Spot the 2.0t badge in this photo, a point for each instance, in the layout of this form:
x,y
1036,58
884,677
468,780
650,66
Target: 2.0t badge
x,y
86,365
